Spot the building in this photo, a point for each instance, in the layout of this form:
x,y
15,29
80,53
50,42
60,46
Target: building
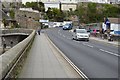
x,y
64,5
84,0
67,5
51,5
11,0
49,0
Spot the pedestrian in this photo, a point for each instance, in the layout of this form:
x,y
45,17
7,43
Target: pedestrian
x,y
95,31
39,30
102,33
107,22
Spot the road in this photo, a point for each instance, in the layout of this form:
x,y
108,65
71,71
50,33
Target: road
x,y
94,58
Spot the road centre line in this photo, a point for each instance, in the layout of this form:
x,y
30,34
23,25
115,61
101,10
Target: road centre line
x,y
63,35
87,45
110,53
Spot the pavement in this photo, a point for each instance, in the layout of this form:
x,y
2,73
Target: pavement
x,y
105,41
44,61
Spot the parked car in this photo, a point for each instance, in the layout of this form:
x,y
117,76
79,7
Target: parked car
x,y
80,34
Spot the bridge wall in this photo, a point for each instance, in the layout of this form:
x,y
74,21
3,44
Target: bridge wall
x,y
13,37
8,59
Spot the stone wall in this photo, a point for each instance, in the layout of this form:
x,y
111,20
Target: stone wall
x,y
13,37
27,19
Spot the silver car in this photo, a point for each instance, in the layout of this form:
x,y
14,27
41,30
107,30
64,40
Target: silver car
x,y
80,34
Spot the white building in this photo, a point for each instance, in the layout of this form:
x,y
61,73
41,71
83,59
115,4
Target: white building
x,y
11,0
51,5
67,5
83,0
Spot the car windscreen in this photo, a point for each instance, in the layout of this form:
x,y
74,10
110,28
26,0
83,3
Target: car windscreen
x,y
81,31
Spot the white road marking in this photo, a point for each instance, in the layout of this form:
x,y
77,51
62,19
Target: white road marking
x,y
110,52
87,45
63,35
59,30
90,46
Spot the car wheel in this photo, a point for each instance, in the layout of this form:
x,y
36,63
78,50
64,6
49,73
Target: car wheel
x,y
73,39
76,38
87,40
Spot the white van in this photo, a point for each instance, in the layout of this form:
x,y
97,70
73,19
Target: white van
x,y
80,34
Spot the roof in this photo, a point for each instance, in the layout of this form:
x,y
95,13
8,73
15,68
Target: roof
x,y
4,16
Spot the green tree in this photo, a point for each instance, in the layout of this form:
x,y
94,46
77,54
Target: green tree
x,y
110,10
55,14
95,12
36,6
4,22
49,13
81,13
12,14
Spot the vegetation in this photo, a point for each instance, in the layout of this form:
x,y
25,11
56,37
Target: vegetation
x,y
55,14
90,13
35,5
96,12
4,22
12,14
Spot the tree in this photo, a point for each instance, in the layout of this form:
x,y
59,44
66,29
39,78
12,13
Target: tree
x,y
12,14
35,5
4,22
81,13
94,12
55,14
49,13
110,10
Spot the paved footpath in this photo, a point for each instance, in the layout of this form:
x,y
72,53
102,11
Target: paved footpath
x,y
105,41
44,61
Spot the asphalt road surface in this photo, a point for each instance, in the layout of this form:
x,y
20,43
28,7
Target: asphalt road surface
x,y
94,58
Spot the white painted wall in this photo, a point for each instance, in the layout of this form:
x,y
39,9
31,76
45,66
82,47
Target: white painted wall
x,y
11,0
67,7
52,5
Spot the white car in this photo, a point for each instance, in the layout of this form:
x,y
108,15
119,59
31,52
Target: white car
x,y
80,34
